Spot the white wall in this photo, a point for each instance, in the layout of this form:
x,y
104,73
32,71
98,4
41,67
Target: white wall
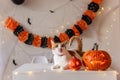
x,y
105,28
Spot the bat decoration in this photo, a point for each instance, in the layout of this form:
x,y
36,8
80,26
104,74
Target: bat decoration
x,y
29,22
51,11
14,62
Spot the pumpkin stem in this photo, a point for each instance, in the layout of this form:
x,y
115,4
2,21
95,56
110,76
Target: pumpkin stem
x,y
95,47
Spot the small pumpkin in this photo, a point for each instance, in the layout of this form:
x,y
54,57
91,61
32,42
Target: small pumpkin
x,y
96,59
75,64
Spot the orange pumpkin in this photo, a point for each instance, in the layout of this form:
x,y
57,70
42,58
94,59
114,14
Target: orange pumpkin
x,y
96,59
75,64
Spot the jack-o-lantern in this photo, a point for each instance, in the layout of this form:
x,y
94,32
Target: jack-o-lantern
x,y
96,59
75,64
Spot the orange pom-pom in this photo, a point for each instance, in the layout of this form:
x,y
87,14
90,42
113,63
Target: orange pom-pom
x,y
90,13
82,24
37,41
49,42
77,33
11,23
63,37
23,36
97,1
75,64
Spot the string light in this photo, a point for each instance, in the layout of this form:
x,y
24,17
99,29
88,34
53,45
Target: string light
x,y
44,70
116,73
30,72
62,27
99,13
57,31
16,73
109,8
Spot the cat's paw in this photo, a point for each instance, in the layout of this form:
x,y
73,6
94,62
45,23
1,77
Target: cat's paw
x,y
55,67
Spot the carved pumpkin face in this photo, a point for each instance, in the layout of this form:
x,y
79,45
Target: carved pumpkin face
x,y
96,60
75,64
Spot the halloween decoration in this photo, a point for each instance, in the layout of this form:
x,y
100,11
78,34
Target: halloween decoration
x,y
14,62
76,30
18,2
96,59
29,22
75,64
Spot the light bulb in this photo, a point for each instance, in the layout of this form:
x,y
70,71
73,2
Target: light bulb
x,y
30,72
15,73
102,8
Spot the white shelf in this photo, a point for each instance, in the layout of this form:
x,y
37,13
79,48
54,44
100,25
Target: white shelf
x,y
43,72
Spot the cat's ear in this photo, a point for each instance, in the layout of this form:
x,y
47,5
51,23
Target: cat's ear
x,y
65,42
52,43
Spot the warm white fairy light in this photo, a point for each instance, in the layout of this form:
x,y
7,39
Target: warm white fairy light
x,y
2,22
105,74
67,23
74,20
57,31
44,70
111,26
109,8
16,73
114,13
62,27
9,77
86,70
108,43
116,73
114,20
107,31
106,37
102,8
108,49
30,72
51,32
99,12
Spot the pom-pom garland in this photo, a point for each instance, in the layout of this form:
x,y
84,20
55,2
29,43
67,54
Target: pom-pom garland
x,y
44,42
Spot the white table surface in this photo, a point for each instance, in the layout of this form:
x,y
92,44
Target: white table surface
x,y
43,72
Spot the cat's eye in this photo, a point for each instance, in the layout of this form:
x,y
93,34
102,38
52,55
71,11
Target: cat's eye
x,y
18,2
56,45
63,45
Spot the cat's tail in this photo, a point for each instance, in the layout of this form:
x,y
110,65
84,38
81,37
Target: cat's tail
x,y
79,42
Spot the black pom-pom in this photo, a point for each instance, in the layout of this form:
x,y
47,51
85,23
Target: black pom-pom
x,y
56,39
18,2
30,39
18,30
70,32
79,29
87,19
93,6
44,42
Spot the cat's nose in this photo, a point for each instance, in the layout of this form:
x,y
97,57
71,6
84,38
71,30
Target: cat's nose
x,y
60,50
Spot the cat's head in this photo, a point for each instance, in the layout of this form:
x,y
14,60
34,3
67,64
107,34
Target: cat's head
x,y
58,48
